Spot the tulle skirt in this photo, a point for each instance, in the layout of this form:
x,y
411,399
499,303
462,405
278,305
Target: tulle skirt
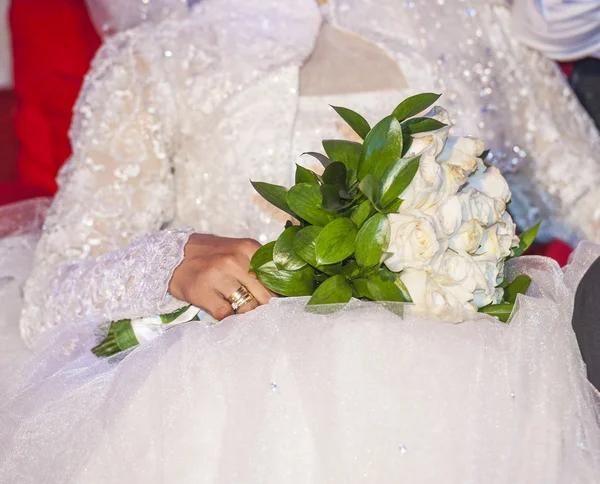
x,y
281,395
20,230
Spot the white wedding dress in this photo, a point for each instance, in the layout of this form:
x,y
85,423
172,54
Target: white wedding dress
x,y
175,117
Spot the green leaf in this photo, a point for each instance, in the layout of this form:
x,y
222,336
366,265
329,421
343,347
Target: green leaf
x,y
397,177
305,199
484,155
284,255
504,284
376,288
348,194
304,175
371,188
305,242
334,178
346,152
320,157
382,147
120,337
361,289
355,121
501,311
170,317
287,283
372,240
394,206
331,199
414,105
336,241
407,141
422,125
124,335
262,256
275,195
305,246
516,287
335,174
350,270
331,269
361,213
526,239
394,277
334,290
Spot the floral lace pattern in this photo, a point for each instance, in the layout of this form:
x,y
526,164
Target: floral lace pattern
x,y
176,117
117,187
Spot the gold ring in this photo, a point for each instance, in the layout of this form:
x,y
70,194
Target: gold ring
x,y
240,298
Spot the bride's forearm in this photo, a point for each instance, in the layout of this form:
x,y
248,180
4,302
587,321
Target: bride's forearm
x,y
130,282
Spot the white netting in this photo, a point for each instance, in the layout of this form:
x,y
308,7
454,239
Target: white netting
x,y
280,395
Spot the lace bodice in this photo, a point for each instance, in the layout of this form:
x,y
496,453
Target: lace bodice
x,y
176,117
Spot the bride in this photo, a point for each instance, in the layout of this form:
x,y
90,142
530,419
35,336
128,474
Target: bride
x,y
177,114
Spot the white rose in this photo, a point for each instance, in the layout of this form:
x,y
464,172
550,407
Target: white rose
x,y
450,215
433,182
484,209
449,304
468,237
472,147
414,241
482,298
491,182
494,246
431,139
459,273
455,177
469,145
462,152
507,237
425,189
492,274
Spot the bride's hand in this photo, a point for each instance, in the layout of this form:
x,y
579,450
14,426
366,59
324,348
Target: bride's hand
x,y
212,270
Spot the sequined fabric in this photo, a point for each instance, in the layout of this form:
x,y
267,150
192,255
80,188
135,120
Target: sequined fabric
x,y
111,16
176,117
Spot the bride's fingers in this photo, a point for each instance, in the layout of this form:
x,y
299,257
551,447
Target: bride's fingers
x,y
227,286
260,292
216,305
249,306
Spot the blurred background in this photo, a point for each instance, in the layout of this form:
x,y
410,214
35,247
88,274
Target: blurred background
x,y
8,142
45,50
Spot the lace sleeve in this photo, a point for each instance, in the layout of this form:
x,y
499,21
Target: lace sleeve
x,y
117,187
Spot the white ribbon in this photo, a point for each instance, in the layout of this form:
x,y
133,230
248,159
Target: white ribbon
x,y
148,328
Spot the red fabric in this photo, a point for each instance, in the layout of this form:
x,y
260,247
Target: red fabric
x,y
16,191
567,68
557,250
53,44
8,141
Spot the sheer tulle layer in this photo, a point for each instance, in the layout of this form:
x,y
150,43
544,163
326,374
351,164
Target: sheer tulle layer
x,y
20,230
281,395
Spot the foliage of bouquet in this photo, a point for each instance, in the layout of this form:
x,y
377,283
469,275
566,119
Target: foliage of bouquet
x,y
408,215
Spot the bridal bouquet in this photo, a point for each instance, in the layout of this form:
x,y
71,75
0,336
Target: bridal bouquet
x,y
408,215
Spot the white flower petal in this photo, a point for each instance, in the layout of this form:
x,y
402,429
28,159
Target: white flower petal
x,y
414,241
